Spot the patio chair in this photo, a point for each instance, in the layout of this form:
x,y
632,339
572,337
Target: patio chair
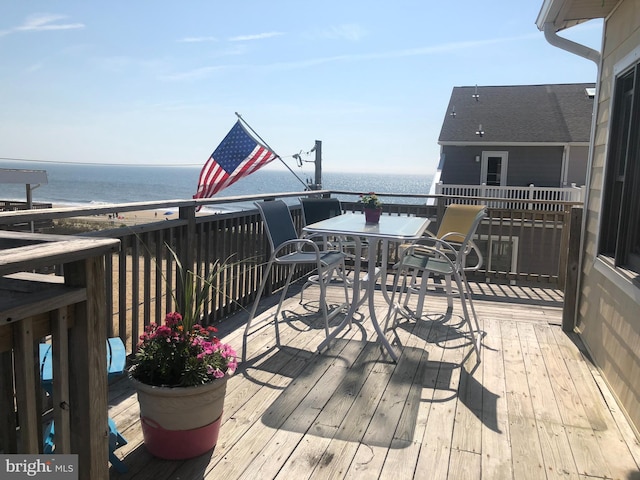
x,y
444,255
456,219
315,210
289,250
116,362
318,209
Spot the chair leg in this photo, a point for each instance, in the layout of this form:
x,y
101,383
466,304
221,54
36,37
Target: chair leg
x,y
282,296
449,291
346,289
474,314
422,293
48,439
116,440
254,308
467,317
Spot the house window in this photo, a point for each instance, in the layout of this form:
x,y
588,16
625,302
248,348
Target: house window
x,y
620,227
493,170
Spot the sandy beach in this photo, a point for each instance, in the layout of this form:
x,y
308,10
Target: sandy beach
x,y
114,220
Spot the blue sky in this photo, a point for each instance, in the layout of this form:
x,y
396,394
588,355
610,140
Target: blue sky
x,y
158,82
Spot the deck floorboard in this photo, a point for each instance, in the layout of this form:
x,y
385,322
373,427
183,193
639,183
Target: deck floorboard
x,y
535,407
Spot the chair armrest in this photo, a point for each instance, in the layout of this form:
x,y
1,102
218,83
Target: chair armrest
x,y
300,244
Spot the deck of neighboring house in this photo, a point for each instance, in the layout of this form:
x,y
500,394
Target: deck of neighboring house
x,y
535,407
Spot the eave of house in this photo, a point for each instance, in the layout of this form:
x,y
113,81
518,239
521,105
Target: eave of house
x,y
511,144
567,13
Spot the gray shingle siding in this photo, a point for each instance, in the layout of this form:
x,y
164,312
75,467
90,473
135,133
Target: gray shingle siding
x,y
540,166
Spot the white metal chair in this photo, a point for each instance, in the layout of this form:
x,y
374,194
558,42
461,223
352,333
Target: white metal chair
x,y
290,250
456,221
443,255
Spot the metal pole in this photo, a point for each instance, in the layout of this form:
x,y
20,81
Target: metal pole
x,y
318,179
30,205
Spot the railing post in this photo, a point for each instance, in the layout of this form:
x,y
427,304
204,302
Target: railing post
x,y
571,269
187,240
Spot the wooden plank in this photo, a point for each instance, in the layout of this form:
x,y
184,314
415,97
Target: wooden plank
x,y
526,451
88,366
325,376
25,384
464,465
586,451
402,455
70,249
556,450
435,454
496,444
48,297
61,400
570,277
8,435
336,427
598,413
268,418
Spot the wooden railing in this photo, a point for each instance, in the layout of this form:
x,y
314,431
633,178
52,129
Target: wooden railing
x,y
519,244
69,312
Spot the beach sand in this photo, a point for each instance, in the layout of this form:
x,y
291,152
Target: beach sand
x,y
106,221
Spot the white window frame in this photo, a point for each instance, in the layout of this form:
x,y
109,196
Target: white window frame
x,y
484,166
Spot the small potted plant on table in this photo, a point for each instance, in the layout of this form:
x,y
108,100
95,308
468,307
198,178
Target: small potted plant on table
x,y
372,207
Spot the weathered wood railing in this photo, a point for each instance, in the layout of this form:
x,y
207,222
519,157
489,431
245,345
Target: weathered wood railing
x,y
519,244
69,311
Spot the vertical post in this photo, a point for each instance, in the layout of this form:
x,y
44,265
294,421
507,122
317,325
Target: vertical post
x,y
572,271
8,439
187,242
318,163
30,203
88,368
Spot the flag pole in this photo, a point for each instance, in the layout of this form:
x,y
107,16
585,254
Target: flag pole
x,y
306,187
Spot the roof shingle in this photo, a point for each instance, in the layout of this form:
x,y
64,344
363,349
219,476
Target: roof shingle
x,y
519,114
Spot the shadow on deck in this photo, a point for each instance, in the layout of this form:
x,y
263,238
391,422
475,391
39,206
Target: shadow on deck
x,y
535,407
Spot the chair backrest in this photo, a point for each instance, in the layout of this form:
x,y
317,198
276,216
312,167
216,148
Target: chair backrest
x,y
318,209
277,221
458,226
460,219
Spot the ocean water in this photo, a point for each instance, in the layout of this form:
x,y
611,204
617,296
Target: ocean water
x,y
84,184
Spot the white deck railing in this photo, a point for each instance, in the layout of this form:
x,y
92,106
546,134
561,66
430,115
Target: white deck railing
x,y
532,192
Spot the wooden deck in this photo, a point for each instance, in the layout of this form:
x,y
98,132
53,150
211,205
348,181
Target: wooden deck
x,y
535,407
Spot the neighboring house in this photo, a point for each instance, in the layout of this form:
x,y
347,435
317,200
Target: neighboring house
x,y
608,302
517,135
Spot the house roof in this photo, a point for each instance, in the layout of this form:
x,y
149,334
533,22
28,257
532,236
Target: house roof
x,y
557,113
567,13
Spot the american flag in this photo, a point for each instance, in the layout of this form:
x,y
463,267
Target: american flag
x,y
237,156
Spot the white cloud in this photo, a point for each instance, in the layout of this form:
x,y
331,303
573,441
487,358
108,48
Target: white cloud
x,y
197,39
257,36
350,31
44,22
207,71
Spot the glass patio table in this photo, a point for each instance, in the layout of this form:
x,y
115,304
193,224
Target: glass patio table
x,y
390,229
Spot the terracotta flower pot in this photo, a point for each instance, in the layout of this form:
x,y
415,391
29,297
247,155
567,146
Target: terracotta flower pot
x,y
181,422
372,215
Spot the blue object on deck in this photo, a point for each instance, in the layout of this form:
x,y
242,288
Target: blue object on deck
x,y
116,362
